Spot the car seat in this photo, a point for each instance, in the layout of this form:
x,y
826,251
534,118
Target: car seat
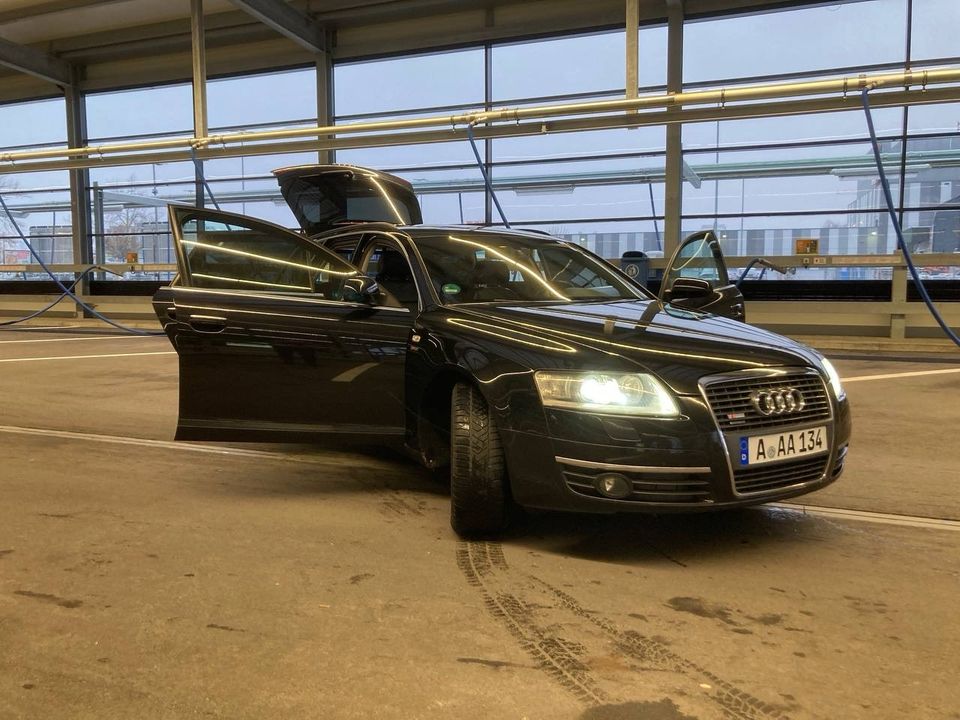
x,y
395,276
492,280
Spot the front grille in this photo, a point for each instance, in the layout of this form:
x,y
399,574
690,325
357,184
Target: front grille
x,y
769,478
731,405
665,488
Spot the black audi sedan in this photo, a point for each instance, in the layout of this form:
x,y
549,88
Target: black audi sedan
x,y
533,370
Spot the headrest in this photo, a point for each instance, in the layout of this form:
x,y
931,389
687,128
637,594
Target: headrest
x,y
492,273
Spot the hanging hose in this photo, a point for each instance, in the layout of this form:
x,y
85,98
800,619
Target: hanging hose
x,y
653,211
766,265
66,291
901,243
50,305
486,179
203,178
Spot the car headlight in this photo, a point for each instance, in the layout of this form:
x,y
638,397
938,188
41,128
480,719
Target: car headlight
x,y
616,393
834,377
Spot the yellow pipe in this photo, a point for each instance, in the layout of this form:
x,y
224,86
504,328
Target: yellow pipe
x,y
698,97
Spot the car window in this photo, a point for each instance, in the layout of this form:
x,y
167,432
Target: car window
x,y
389,267
494,267
233,255
344,248
700,257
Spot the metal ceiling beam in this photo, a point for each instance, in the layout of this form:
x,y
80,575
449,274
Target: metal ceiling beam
x,y
34,62
50,7
288,21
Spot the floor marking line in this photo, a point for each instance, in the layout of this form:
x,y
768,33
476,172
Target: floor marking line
x,y
86,357
175,445
870,516
78,339
891,376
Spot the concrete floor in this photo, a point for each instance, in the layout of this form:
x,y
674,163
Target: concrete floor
x,y
139,578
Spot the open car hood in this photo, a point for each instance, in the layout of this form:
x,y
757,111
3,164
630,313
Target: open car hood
x,y
324,197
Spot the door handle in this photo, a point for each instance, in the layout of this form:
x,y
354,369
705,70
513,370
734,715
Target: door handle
x,y
207,323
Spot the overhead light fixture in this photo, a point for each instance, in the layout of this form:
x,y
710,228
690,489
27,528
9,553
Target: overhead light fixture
x,y
544,189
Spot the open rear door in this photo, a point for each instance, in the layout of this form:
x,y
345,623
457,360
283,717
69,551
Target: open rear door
x,y
697,278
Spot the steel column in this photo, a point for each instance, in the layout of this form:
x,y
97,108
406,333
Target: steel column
x,y
673,181
633,40
198,45
76,110
325,102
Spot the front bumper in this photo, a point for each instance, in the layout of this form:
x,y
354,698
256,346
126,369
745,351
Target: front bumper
x,y
682,465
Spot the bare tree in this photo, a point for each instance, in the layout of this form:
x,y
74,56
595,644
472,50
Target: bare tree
x,y
9,240
124,231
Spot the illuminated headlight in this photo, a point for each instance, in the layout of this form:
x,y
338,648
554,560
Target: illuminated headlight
x,y
616,393
834,377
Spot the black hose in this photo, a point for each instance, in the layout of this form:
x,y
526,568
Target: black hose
x,y
917,280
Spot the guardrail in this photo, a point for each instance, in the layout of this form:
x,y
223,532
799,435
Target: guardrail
x,y
896,318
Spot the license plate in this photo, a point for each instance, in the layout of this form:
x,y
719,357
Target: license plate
x,y
759,449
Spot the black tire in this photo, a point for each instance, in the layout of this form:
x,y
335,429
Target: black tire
x,y
478,478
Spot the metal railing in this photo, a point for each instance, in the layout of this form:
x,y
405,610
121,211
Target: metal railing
x,y
895,318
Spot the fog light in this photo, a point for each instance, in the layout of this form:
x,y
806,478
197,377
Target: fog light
x,y
612,485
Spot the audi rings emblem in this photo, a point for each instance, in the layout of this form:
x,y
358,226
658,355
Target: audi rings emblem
x,y
778,401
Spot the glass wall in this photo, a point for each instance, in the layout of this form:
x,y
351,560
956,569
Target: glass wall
x,y
254,103
444,175
39,202
763,183
128,204
771,184
579,185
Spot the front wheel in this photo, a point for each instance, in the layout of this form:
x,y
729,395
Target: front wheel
x,y
478,482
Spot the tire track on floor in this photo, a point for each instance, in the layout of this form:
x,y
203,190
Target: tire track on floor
x,y
485,567
553,655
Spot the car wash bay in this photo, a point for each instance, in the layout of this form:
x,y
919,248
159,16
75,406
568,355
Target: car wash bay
x,y
145,578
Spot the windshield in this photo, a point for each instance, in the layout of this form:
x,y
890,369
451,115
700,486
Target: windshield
x,y
491,267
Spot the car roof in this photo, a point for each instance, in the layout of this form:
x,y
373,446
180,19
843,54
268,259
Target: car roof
x,y
526,233
424,231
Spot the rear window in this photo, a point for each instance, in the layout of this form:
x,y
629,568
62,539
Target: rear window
x,y
322,201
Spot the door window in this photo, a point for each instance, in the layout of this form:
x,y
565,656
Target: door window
x,y
387,265
700,257
231,254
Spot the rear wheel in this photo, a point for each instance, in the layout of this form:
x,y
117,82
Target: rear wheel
x,y
478,482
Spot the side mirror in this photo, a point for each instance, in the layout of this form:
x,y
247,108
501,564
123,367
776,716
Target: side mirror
x,y
360,289
684,288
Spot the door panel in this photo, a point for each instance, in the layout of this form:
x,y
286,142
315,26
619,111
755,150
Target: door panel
x,y
278,363
699,260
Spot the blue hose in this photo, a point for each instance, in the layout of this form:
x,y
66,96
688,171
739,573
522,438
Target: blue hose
x,y
50,305
896,225
66,291
486,179
203,178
